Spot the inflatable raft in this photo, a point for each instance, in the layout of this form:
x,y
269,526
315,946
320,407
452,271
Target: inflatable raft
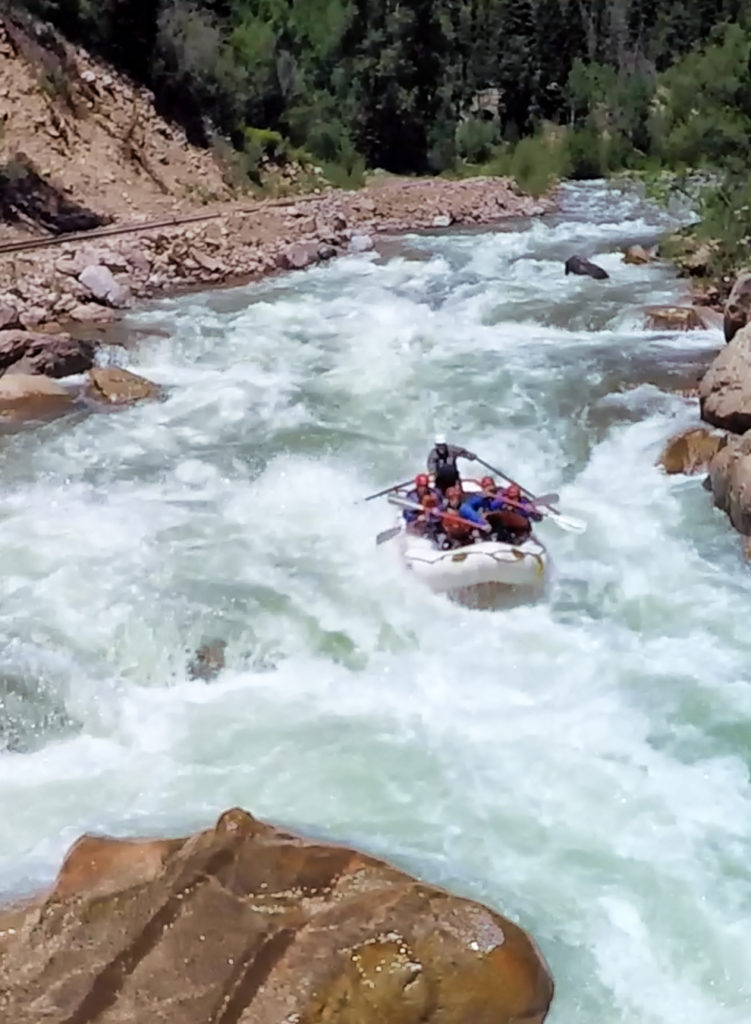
x,y
474,565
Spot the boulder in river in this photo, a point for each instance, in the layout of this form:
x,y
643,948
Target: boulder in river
x,y
55,355
673,318
725,389
27,396
691,451
578,265
737,311
730,481
637,255
249,923
120,387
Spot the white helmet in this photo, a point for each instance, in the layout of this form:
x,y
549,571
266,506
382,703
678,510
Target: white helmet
x,y
440,439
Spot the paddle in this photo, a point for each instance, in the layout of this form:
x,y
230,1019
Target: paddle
x,y
570,523
403,503
385,535
388,490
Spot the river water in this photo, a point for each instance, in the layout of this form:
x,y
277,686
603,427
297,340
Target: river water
x,y
580,763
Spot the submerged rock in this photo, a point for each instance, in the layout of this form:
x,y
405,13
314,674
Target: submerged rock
x,y
120,387
248,923
691,451
208,661
725,389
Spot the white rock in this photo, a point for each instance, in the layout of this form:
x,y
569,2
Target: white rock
x,y
361,243
103,286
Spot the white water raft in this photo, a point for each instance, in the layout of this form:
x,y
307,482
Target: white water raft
x,y
475,565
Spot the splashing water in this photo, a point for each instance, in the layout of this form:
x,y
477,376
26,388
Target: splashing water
x,y
580,763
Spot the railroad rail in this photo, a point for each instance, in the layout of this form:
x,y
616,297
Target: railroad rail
x,y
112,230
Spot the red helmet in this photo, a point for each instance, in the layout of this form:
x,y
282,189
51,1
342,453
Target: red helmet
x,y
422,480
487,481
514,491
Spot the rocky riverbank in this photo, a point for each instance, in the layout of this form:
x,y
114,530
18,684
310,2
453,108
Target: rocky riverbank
x,y
93,280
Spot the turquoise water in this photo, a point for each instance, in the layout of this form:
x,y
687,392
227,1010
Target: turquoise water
x,y
581,764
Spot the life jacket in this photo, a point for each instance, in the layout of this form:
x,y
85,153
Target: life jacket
x,y
455,526
505,519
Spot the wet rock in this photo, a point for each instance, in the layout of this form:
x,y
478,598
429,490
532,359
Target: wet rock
x,y
246,922
360,242
25,396
673,318
730,481
691,451
299,255
725,389
637,255
90,313
326,251
738,306
120,387
578,265
103,286
55,355
208,661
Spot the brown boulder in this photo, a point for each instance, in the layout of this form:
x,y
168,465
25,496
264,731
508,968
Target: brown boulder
x,y
673,318
730,481
120,387
691,451
247,924
725,389
738,306
638,255
24,396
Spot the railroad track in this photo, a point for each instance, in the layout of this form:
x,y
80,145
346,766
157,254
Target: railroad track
x,y
113,230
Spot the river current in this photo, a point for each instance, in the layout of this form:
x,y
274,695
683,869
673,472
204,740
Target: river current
x,y
580,763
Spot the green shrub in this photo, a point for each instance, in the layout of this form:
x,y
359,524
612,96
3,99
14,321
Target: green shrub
x,y
475,139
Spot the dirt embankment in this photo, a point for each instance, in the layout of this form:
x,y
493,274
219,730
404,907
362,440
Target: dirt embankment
x,y
82,147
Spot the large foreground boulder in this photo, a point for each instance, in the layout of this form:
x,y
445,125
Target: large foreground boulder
x,y
738,306
725,389
247,924
730,480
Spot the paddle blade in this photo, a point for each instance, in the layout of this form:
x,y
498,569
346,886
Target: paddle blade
x,y
568,523
388,534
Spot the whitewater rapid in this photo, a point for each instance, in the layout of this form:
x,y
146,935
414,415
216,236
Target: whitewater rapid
x,y
581,763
